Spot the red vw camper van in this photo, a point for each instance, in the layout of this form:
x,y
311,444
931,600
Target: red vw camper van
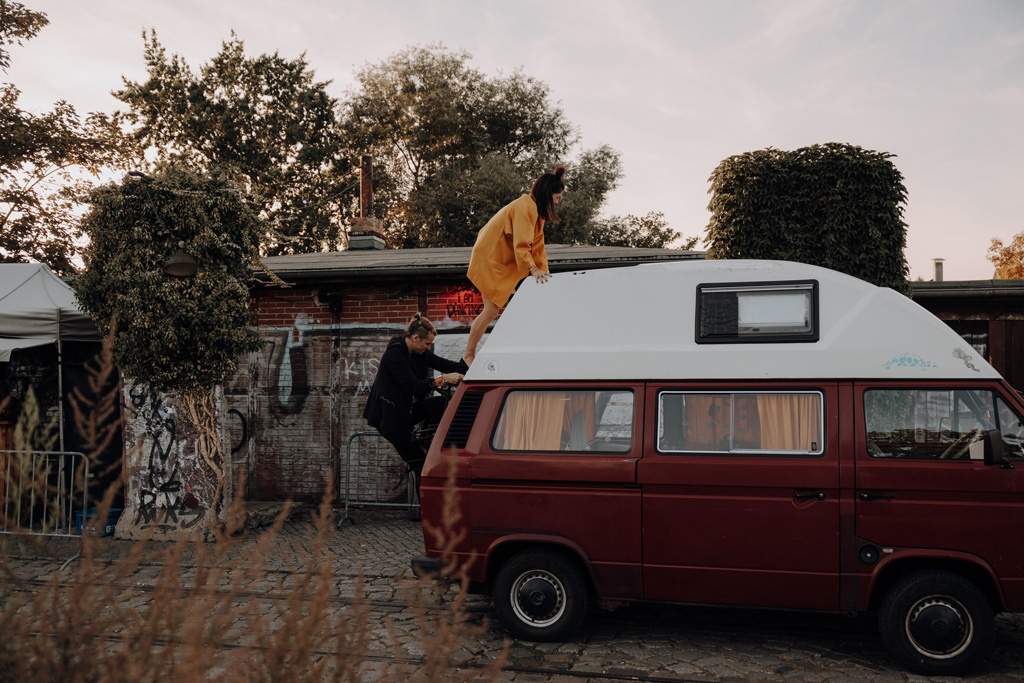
x,y
744,433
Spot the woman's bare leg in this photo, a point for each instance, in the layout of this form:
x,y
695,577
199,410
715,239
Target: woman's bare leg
x,y
479,326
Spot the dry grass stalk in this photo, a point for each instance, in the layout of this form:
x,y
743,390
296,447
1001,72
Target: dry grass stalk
x,y
451,631
26,493
145,611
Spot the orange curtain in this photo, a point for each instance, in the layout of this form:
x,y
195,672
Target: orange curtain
x,y
707,422
532,421
719,422
790,422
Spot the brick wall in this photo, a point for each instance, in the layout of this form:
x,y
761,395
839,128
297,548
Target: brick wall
x,y
292,406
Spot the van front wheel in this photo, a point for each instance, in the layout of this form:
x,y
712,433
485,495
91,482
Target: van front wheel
x,y
540,595
936,623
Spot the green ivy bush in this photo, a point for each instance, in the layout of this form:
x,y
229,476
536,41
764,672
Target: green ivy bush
x,y
176,334
832,205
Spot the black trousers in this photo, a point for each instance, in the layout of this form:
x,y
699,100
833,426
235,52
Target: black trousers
x,y
424,416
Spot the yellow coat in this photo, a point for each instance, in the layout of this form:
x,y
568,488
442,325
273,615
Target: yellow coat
x,y
506,249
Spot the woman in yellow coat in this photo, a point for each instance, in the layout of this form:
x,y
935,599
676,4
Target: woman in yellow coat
x,y
511,247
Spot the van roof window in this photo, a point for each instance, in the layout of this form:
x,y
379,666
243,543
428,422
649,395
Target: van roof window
x,y
745,312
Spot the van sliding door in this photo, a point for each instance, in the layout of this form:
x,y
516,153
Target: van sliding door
x,y
741,495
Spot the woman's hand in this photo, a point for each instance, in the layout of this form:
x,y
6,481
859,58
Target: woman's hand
x,y
541,276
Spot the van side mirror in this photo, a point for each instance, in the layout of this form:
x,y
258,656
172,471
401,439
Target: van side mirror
x,y
993,439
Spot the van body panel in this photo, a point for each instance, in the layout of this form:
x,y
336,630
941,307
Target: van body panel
x,y
589,500
895,560
742,528
533,467
599,522
850,566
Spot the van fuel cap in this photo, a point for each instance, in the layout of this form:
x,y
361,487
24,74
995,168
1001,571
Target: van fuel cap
x,y
868,554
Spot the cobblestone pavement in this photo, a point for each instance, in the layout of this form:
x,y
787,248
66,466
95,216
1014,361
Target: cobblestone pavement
x,y
638,642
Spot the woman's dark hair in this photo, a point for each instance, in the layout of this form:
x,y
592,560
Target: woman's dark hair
x,y
544,188
419,326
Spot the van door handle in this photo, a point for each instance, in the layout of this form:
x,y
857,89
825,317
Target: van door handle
x,y
817,495
875,496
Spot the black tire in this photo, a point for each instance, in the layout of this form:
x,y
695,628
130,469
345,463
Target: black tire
x,y
936,623
540,595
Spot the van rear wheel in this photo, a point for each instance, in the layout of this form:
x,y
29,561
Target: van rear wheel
x,y
936,623
540,595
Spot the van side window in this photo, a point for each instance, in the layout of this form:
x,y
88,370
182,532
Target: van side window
x,y
570,420
760,423
932,424
1012,429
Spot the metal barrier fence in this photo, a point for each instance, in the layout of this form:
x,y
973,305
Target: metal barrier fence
x,y
375,476
43,491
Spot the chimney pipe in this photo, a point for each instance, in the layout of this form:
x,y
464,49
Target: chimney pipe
x,y
938,268
367,231
366,187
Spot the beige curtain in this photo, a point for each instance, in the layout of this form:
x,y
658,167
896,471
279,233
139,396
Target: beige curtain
x,y
532,421
544,421
790,422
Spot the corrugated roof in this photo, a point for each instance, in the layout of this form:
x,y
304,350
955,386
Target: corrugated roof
x,y
986,289
358,264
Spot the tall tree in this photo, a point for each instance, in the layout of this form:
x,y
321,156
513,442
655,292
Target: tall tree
x,y
833,205
1008,259
17,24
263,121
595,174
646,232
452,146
47,162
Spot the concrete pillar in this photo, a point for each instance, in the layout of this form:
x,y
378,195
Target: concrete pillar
x,y
167,491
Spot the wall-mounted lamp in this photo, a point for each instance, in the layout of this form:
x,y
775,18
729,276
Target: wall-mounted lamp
x,y
331,298
181,264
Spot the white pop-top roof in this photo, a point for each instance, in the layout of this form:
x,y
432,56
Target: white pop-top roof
x,y
638,323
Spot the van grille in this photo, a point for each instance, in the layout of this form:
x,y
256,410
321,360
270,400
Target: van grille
x,y
462,421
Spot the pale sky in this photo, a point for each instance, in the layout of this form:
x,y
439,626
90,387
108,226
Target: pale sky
x,y
675,86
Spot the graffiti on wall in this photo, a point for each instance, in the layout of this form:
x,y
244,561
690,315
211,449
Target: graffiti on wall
x,y
290,369
359,372
165,491
462,303
243,428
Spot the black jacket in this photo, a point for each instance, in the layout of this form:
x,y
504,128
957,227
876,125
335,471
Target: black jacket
x,y
402,377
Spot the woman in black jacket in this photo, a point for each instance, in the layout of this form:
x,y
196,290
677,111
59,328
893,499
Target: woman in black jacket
x,y
402,394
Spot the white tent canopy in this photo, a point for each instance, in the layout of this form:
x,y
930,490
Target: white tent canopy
x,y
37,308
